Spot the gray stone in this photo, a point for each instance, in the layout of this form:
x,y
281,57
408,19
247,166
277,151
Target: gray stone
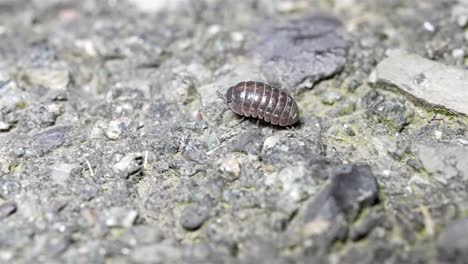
x,y
130,164
325,218
350,189
453,242
425,80
50,139
298,53
193,216
61,172
7,209
4,126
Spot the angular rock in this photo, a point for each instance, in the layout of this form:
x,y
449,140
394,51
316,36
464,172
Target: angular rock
x,y
453,242
427,81
301,52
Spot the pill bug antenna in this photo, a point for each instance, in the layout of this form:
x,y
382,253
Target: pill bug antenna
x,y
225,106
221,95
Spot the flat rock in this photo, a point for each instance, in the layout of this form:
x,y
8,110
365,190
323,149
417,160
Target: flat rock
x,y
434,83
298,53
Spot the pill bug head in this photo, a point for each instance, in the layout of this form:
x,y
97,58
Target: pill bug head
x,y
229,97
295,117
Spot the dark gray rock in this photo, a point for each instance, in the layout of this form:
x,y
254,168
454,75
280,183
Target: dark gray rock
x,y
453,242
350,189
325,218
193,216
298,53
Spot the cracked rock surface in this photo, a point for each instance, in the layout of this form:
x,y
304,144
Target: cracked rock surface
x,y
115,146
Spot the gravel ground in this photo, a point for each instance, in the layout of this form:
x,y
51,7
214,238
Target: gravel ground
x,y
115,146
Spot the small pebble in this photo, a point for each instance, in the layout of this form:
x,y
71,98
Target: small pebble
x,y
7,209
429,26
330,97
193,217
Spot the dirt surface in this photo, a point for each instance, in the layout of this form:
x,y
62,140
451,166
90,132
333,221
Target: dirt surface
x,y
114,146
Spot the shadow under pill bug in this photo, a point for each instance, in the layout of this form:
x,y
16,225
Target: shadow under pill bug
x,y
259,100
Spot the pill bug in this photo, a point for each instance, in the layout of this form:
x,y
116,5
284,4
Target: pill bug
x,y
262,101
